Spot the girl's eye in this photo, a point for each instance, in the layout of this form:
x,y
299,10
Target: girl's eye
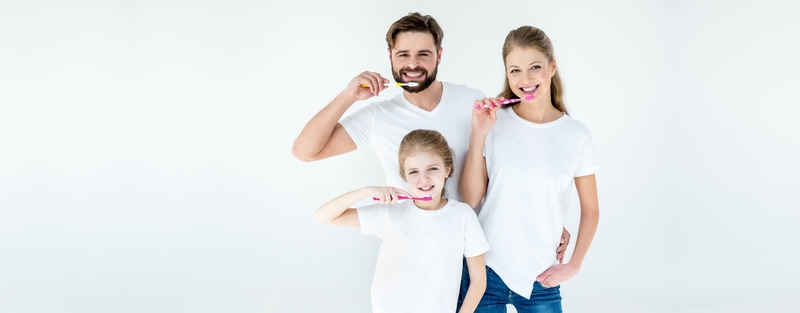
x,y
411,172
432,169
536,67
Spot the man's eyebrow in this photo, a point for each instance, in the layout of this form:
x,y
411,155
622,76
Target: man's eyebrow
x,y
406,51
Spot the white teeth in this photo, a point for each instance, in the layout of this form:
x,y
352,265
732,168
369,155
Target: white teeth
x,y
426,189
413,74
529,88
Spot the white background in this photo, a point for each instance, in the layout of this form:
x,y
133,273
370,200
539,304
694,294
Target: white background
x,y
145,160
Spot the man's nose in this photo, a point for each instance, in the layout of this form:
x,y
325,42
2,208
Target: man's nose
x,y
413,63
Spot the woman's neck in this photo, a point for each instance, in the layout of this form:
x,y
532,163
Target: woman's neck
x,y
539,112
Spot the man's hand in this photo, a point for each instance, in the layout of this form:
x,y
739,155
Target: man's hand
x,y
356,91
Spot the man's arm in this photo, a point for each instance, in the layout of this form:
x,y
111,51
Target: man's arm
x,y
323,136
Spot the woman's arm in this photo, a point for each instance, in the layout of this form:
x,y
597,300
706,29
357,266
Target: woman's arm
x,y
590,215
477,284
474,177
338,212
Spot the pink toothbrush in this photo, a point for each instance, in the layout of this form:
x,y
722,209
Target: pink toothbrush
x,y
508,101
402,197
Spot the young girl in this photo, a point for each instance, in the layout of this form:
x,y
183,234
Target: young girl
x,y
526,158
424,241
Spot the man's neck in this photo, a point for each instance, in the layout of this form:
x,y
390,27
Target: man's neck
x,y
427,99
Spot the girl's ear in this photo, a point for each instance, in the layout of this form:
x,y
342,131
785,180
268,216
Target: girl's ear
x,y
449,171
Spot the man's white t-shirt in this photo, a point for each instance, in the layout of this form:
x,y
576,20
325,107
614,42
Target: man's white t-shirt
x,y
531,169
382,125
420,259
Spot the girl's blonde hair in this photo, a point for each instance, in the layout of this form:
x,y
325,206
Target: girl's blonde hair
x,y
425,141
532,37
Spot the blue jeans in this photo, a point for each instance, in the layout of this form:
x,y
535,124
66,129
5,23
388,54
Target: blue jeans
x,y
498,295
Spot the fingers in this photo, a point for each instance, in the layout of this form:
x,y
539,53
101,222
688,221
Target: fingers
x,y
486,103
543,276
550,278
389,194
560,256
375,82
371,81
392,195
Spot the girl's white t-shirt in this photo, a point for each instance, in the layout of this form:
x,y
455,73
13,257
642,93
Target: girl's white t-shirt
x,y
531,169
420,259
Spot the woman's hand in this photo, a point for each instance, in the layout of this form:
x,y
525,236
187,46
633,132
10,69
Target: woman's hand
x,y
557,274
484,115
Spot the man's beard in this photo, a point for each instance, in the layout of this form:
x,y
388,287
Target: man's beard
x,y
429,79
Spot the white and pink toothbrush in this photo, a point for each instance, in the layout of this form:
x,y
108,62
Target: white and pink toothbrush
x,y
402,197
508,101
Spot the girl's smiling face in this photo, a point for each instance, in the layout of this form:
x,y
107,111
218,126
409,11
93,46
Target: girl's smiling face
x,y
425,174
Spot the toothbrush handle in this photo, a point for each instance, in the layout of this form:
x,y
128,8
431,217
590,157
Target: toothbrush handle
x,y
402,197
507,101
399,197
504,102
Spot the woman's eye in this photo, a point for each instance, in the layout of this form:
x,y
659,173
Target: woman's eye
x,y
536,67
514,71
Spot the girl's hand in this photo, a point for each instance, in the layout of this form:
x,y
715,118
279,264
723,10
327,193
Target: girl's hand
x,y
557,274
386,194
484,115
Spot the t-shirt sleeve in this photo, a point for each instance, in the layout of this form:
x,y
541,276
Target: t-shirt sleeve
x,y
372,218
475,242
360,124
587,164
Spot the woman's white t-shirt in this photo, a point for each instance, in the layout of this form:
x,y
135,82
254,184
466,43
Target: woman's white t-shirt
x,y
531,169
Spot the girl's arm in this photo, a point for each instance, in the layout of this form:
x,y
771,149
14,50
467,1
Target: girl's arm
x,y
477,284
338,212
590,214
474,178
